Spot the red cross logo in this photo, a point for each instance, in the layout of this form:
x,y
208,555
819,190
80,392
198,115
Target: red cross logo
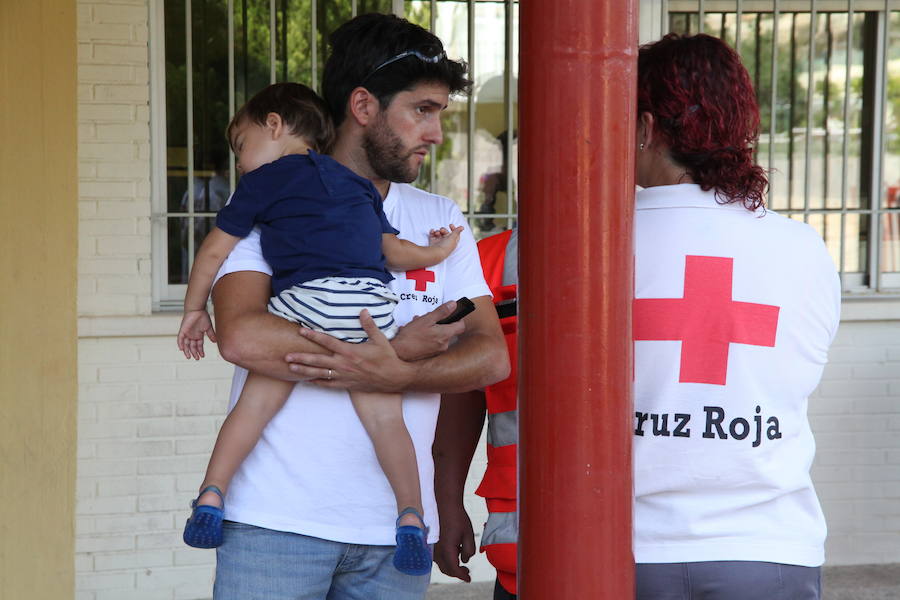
x,y
706,320
422,277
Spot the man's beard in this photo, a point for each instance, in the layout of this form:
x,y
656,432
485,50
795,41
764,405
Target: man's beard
x,y
387,156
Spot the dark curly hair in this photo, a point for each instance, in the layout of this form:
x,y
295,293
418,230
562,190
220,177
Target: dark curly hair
x,y
361,44
705,109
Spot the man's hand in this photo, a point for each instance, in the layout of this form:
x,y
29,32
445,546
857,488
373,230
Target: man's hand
x,y
456,544
423,337
372,366
478,358
459,427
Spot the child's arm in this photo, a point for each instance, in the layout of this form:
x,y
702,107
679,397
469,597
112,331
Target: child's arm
x,y
196,322
403,255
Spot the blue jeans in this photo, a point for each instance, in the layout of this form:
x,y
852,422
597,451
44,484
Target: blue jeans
x,y
727,580
260,564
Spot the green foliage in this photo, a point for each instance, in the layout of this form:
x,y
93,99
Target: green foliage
x,y
892,116
294,39
792,63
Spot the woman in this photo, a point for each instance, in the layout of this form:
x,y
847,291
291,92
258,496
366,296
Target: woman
x,y
735,308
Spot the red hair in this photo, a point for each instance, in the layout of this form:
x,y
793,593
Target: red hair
x,y
705,110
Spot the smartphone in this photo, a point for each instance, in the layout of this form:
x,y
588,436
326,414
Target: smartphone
x,y
463,307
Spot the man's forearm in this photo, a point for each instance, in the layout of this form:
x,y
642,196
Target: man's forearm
x,y
474,361
458,429
478,358
248,334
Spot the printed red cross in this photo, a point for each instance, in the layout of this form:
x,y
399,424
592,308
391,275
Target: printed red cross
x,y
706,320
422,277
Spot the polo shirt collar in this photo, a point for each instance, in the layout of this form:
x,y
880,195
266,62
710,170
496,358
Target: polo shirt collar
x,y
682,195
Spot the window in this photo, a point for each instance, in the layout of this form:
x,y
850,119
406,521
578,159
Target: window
x,y
827,75
209,56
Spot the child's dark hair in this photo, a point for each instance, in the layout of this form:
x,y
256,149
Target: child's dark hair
x,y
304,113
360,53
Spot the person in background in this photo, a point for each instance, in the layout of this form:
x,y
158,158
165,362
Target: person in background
x,y
459,428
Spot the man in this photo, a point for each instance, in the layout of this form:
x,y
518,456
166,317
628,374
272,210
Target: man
x,y
459,427
310,513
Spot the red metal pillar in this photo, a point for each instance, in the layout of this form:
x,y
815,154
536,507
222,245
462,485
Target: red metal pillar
x,y
577,111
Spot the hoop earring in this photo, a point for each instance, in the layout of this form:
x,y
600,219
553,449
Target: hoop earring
x,y
641,147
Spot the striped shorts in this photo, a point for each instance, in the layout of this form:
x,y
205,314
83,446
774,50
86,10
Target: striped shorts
x,y
332,305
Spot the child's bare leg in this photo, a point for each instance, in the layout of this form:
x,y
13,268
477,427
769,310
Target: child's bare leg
x,y
382,416
261,398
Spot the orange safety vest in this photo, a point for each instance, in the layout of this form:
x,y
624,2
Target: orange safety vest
x,y
498,487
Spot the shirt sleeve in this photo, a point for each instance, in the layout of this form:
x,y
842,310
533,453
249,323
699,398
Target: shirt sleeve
x,y
246,256
464,274
239,215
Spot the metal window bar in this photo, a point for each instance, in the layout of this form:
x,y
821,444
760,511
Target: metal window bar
x,y
757,65
664,17
792,94
810,88
773,102
757,52
508,108
432,151
279,30
765,6
159,174
826,102
470,101
245,54
845,150
737,26
273,41
232,175
877,186
432,175
701,15
314,45
189,86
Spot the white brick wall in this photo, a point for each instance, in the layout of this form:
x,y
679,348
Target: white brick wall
x,y
855,415
114,173
147,422
147,418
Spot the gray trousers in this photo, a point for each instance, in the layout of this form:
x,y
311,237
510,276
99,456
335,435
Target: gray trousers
x,y
727,580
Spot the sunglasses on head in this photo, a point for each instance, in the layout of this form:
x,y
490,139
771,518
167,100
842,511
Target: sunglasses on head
x,y
431,55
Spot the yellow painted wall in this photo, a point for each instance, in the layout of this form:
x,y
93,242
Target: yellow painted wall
x,y
38,254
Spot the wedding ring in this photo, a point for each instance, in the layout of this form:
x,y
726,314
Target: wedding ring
x,y
330,374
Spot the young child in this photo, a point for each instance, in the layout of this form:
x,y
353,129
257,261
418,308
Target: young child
x,y
325,235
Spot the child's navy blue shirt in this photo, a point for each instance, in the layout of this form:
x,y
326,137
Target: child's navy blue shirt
x,y
317,218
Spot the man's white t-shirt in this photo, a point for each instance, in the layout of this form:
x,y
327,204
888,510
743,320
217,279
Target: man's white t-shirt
x,y
733,316
314,470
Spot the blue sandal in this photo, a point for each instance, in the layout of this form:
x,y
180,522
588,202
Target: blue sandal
x,y
204,527
412,556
